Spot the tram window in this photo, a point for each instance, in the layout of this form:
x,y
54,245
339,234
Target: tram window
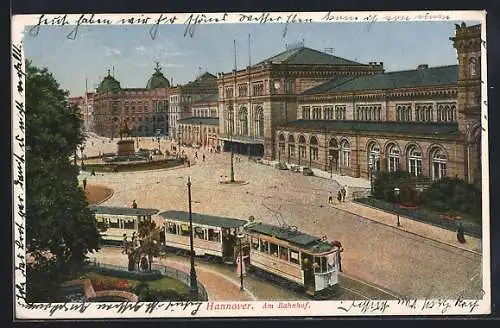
x,y
264,246
294,257
330,259
255,243
213,235
172,228
199,233
273,249
317,264
284,253
323,264
114,224
129,224
184,230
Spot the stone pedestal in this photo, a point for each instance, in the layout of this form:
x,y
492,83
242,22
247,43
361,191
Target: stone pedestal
x,y
125,147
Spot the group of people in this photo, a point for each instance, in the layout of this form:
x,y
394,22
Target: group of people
x,y
341,195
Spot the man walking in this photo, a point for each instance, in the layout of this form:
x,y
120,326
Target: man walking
x,y
344,193
330,198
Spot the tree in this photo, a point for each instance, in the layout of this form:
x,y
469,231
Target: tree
x,y
148,237
60,227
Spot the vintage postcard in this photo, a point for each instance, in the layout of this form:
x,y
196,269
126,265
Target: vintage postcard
x,y
267,164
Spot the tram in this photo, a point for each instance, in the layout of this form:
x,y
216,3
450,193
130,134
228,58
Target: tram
x,y
305,260
117,222
280,253
214,237
302,260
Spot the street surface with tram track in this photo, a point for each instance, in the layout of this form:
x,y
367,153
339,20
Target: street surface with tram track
x,y
404,263
259,287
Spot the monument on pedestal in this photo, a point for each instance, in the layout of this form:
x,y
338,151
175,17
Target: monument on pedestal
x,y
125,147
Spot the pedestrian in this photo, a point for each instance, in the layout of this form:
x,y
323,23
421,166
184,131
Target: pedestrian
x,y
330,198
339,196
189,163
203,157
125,244
134,204
460,234
84,183
196,154
344,193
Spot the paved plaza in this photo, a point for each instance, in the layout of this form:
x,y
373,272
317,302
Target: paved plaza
x,y
375,251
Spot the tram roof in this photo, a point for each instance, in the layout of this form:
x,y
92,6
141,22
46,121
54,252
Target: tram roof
x,y
209,220
113,210
296,237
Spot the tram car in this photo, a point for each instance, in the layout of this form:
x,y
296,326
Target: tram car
x,y
309,262
116,222
214,237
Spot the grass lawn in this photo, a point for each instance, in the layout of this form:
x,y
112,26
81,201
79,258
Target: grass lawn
x,y
164,283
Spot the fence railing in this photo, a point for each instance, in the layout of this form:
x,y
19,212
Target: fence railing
x,y
164,270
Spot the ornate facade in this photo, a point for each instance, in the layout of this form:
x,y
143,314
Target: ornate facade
x,y
425,121
143,110
183,96
255,100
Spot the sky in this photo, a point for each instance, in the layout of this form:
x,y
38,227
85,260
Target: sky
x,y
133,53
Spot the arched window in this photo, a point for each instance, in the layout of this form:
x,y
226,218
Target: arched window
x,y
333,154
439,161
259,120
302,148
374,157
313,152
393,158
281,145
346,153
472,67
291,146
244,121
414,160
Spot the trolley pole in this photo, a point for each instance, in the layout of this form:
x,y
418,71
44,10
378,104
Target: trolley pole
x,y
193,280
240,237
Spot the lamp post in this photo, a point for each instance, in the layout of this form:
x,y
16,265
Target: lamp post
x,y
240,237
396,193
232,155
193,282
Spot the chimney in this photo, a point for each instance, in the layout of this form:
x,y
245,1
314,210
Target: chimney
x,y
422,67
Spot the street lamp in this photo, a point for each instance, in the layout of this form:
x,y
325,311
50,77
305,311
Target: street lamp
x,y
232,156
193,282
396,193
240,237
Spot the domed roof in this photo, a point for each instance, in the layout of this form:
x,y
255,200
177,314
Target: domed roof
x,y
109,84
157,80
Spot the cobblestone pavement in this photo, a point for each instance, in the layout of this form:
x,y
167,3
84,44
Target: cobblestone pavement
x,y
405,263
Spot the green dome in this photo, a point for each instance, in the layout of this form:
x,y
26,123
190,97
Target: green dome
x,y
109,84
157,80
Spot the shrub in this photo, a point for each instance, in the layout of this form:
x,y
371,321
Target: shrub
x,y
133,275
385,182
453,194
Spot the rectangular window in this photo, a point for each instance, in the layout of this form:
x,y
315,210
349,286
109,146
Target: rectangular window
x,y
213,235
306,112
171,228
283,253
294,257
264,246
273,249
255,243
184,230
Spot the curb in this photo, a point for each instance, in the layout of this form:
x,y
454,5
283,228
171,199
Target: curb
x,y
410,232
108,197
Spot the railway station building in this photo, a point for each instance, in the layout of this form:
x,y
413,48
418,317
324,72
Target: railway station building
x,y
313,109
